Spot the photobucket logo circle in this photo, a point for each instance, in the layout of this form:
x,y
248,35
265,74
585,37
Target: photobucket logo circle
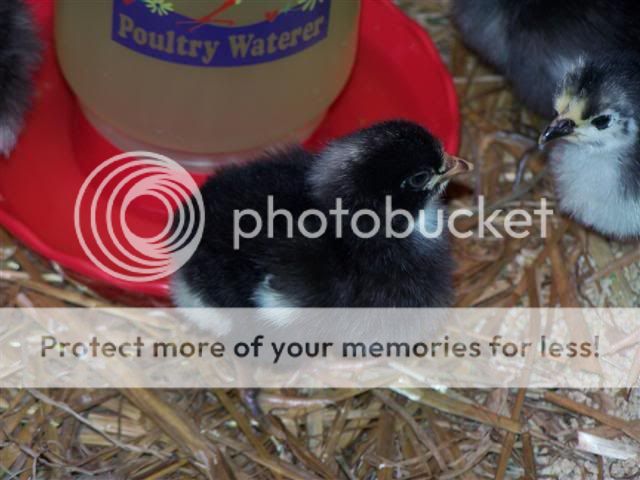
x,y
101,218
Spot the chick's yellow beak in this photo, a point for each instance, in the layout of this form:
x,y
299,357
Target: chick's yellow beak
x,y
455,166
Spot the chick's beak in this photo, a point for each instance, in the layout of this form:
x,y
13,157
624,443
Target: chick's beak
x,y
560,127
455,166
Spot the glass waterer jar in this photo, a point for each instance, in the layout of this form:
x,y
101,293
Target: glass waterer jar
x,y
206,80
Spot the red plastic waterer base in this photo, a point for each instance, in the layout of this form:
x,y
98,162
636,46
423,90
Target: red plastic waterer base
x,y
398,74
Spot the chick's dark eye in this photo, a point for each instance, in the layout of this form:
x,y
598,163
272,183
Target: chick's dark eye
x,y
417,181
601,122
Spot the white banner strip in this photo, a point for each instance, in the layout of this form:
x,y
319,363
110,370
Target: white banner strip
x,y
319,348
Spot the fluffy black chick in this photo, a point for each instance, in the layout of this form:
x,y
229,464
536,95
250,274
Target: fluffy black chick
x,y
397,159
594,144
19,55
535,43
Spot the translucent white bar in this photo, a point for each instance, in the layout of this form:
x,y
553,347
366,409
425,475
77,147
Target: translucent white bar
x,y
319,348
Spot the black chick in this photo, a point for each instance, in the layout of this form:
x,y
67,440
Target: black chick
x,y
595,145
398,159
535,43
19,55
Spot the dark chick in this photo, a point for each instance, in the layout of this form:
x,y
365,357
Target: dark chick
x,y
534,43
19,55
397,159
594,143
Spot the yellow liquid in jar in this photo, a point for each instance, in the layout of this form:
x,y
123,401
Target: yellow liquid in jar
x,y
200,108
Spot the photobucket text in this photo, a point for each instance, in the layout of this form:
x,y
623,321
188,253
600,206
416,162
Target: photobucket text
x,y
430,222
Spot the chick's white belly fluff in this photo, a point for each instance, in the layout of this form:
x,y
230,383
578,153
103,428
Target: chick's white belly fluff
x,y
590,189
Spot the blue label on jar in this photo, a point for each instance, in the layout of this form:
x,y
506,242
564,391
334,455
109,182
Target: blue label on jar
x,y
152,28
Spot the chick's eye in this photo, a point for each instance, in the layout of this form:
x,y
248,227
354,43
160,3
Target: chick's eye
x,y
417,181
601,122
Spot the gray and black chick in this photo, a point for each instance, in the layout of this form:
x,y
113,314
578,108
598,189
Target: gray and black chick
x,y
535,43
595,145
20,51
340,268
